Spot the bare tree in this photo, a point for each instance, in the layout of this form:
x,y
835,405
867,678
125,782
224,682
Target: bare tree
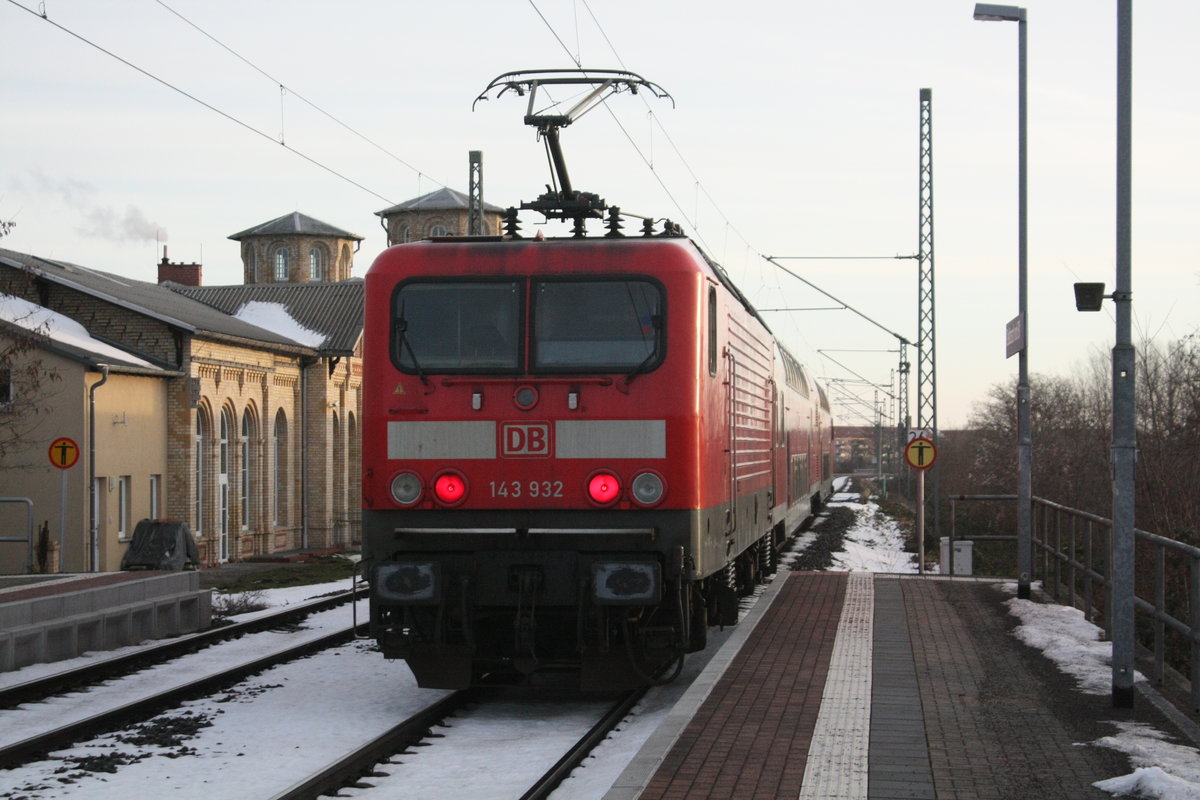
x,y
25,381
1072,433
1169,439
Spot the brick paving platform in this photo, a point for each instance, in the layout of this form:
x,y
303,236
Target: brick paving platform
x,y
881,687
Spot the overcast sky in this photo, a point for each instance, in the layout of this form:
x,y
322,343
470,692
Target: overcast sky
x,y
794,132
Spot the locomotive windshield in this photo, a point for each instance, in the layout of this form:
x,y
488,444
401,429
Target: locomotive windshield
x,y
596,324
452,326
575,325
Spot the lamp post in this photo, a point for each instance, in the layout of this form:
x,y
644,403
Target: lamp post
x,y
1090,297
990,12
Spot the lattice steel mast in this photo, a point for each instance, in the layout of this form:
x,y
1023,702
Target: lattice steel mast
x,y
475,198
926,348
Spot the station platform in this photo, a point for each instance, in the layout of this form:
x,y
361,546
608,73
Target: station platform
x,y
861,685
47,618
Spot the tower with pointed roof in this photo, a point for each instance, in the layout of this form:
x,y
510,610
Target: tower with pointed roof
x,y
296,248
442,212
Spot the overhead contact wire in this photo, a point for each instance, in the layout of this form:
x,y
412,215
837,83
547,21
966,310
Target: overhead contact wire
x,y
204,103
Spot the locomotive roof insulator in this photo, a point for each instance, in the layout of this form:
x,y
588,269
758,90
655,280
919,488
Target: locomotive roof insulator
x,y
512,226
613,223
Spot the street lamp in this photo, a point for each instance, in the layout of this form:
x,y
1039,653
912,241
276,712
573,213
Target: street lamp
x,y
991,12
1089,297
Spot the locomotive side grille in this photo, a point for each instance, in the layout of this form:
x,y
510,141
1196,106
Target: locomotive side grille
x,y
751,402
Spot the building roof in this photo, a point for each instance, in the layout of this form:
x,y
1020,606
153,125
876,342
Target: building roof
x,y
63,335
295,224
151,300
334,311
444,199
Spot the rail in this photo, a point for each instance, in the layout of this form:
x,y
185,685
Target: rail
x,y
1071,556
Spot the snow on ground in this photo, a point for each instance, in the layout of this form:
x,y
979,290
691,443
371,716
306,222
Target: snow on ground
x,y
286,718
874,544
1164,770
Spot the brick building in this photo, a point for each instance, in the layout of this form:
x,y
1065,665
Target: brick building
x,y
254,400
296,248
443,212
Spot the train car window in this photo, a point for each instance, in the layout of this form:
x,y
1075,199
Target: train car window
x,y
609,325
712,330
457,326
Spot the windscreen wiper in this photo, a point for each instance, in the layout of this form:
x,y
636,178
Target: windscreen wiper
x,y
402,329
656,322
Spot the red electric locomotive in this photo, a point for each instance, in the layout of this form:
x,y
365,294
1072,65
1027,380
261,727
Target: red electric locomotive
x,y
576,453
573,451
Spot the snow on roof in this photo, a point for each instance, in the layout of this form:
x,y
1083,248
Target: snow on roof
x,y
275,317
63,330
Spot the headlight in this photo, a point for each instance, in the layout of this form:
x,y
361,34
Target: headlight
x,y
626,583
406,488
647,489
410,583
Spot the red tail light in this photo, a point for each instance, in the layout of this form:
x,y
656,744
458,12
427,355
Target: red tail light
x,y
450,488
603,488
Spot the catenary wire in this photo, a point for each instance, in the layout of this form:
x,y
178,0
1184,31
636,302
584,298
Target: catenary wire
x,y
294,93
204,103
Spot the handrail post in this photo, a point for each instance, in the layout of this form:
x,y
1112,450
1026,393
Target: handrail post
x,y
1072,561
1194,605
1089,603
1160,608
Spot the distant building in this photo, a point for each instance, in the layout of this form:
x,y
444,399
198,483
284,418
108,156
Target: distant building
x,y
296,248
442,212
857,447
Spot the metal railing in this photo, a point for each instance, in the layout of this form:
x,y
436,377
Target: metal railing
x,y
28,537
1073,547
1072,557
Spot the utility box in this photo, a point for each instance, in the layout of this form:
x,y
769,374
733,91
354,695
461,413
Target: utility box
x,y
962,556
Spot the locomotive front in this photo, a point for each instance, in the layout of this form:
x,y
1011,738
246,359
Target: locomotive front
x,y
530,465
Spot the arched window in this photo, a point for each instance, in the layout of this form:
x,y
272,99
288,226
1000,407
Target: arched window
x,y
439,230
246,467
354,490
223,488
201,434
281,264
403,236
338,484
279,453
316,264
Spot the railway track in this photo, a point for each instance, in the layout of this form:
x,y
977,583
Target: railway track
x,y
38,743
143,657
367,762
348,695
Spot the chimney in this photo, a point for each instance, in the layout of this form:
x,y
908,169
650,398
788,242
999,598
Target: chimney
x,y
184,274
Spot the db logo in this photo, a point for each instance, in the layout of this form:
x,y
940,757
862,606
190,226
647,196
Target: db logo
x,y
527,439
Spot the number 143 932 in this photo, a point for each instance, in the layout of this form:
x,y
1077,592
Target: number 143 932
x,y
517,489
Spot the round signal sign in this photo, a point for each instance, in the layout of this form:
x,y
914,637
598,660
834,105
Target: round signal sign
x,y
920,453
63,452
